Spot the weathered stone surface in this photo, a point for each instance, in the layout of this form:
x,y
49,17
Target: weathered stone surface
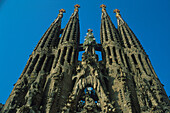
x,y
54,81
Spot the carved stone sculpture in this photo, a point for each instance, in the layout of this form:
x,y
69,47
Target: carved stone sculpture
x,y
55,81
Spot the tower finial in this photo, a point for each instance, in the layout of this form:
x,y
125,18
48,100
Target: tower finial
x,y
117,11
103,7
61,11
76,7
89,42
91,30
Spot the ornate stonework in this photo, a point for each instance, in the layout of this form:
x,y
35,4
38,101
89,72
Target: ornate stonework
x,y
54,81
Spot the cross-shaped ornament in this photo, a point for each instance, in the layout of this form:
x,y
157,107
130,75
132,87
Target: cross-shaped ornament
x,y
103,7
117,11
76,7
61,11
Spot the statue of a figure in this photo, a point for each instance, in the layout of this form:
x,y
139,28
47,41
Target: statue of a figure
x,y
89,104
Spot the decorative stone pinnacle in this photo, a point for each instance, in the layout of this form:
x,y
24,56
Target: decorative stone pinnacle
x,y
103,7
76,7
89,42
117,11
89,30
61,11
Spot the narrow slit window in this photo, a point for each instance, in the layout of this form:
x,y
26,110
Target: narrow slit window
x,y
115,56
139,56
121,56
134,59
127,62
63,56
129,46
40,63
70,54
108,50
75,57
59,51
49,63
33,64
110,61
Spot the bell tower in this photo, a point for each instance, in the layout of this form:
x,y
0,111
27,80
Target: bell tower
x,y
55,81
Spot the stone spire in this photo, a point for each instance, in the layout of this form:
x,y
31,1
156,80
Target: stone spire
x,y
141,69
108,32
110,40
54,80
64,65
35,71
72,27
133,48
128,37
117,64
67,50
51,36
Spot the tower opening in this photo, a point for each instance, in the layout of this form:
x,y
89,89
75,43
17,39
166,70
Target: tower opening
x,y
99,53
80,55
139,56
120,53
31,68
115,55
49,63
134,59
70,54
127,62
40,63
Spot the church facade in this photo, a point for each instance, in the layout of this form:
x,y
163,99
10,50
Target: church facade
x,y
55,81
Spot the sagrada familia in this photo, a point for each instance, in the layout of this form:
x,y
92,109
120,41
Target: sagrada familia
x,y
55,81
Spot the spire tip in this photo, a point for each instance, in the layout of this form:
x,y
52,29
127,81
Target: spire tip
x,y
76,7
117,11
90,30
103,7
61,11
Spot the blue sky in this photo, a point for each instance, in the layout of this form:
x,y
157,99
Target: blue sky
x,y
23,22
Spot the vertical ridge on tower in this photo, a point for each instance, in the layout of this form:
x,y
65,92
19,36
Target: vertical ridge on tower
x,y
55,81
